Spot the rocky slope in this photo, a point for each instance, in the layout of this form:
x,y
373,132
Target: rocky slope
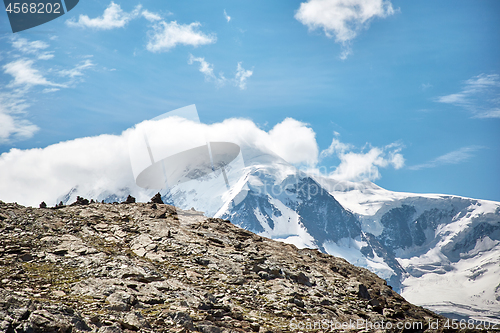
x,y
145,267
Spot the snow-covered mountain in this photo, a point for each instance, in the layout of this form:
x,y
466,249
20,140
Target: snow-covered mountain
x,y
438,251
447,246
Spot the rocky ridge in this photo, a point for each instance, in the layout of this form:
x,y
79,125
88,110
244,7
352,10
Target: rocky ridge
x,y
138,267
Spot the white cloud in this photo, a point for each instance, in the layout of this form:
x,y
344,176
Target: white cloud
x,y
12,105
113,17
166,36
342,19
207,69
294,141
492,113
12,126
163,36
454,157
25,74
241,76
77,70
336,147
25,46
98,164
150,16
49,90
46,56
55,170
13,101
480,95
362,165
32,47
227,17
101,165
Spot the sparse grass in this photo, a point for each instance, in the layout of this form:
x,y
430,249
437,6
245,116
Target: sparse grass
x,y
50,273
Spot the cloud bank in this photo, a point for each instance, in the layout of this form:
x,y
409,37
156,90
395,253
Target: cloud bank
x,y
100,166
342,19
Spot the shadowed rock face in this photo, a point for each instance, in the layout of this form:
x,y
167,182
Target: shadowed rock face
x,y
332,221
135,267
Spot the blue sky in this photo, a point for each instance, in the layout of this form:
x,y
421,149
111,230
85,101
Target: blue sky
x,y
416,79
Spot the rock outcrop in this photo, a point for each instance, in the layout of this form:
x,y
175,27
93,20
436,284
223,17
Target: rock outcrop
x,y
137,267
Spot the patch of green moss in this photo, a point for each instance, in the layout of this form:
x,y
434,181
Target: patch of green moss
x,y
110,248
57,276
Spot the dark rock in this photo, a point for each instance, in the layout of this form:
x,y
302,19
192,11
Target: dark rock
x,y
157,199
44,321
301,278
340,269
26,257
237,315
183,319
210,297
326,302
80,202
130,199
205,306
363,292
255,327
201,261
297,301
